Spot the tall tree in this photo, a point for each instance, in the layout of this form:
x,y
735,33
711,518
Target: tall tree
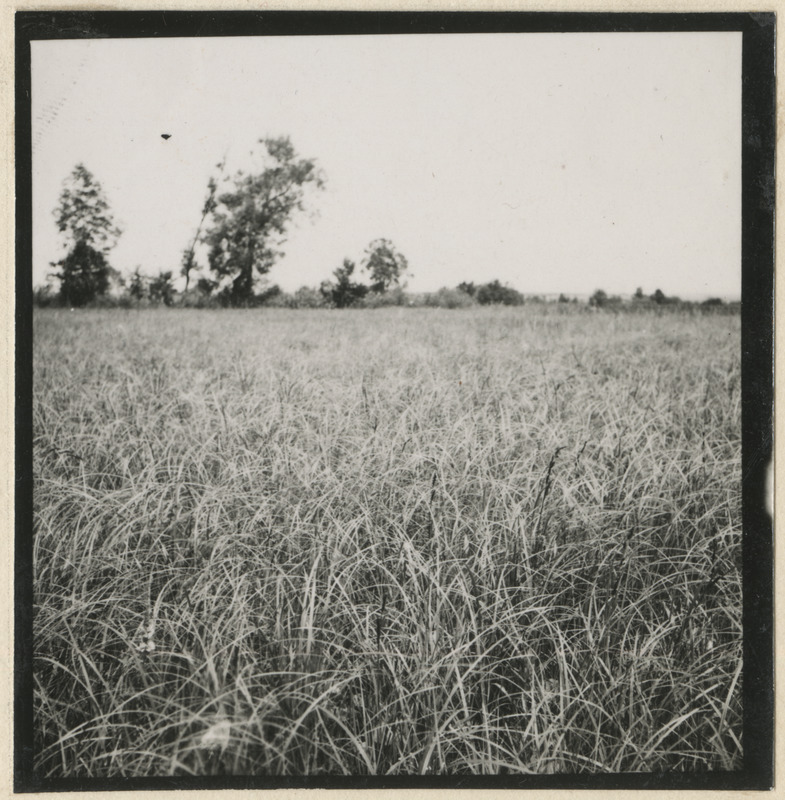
x,y
250,218
82,215
385,265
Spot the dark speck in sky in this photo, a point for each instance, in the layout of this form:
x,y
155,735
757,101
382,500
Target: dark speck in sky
x,y
166,135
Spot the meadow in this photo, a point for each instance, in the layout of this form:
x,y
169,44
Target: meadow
x,y
386,542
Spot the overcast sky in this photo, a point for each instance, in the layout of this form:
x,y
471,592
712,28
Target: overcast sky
x,y
553,162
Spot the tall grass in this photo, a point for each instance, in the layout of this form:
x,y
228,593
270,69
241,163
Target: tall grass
x,y
389,542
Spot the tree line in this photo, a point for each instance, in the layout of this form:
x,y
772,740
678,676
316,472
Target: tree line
x,y
243,225
242,228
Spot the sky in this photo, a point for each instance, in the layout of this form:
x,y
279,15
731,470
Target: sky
x,y
551,162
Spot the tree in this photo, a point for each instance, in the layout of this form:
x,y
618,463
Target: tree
x,y
83,212
249,219
344,292
188,260
82,215
384,264
162,288
468,287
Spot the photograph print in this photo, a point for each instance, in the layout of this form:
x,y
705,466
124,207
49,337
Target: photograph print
x,y
399,400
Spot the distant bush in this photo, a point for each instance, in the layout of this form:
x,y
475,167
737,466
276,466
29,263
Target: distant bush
x,y
280,300
343,292
308,297
600,299
661,299
417,299
45,296
449,298
495,293
392,297
304,297
137,285
112,301
268,297
714,305
161,288
229,298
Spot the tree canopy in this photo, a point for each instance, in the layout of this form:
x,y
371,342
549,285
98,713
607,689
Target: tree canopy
x,y
83,212
82,215
385,265
250,217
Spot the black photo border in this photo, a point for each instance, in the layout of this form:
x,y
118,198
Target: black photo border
x,y
757,270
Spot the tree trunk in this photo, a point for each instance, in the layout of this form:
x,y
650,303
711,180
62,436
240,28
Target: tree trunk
x,y
243,283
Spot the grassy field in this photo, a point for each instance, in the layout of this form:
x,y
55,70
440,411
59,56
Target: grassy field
x,y
386,542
